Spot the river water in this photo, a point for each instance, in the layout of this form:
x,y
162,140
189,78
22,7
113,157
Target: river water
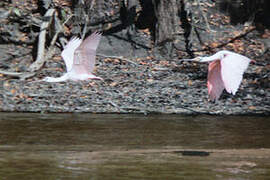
x,y
114,146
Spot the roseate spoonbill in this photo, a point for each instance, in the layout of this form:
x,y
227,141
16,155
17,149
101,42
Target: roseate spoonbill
x,y
79,57
225,71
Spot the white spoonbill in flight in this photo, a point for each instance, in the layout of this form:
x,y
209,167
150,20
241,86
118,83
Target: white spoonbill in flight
x,y
225,71
79,57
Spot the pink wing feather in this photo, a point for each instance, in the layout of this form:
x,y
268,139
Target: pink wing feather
x,y
233,67
85,55
214,83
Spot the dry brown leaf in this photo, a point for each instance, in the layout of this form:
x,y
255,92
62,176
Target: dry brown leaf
x,y
23,38
236,33
13,91
252,108
214,44
164,63
146,31
113,84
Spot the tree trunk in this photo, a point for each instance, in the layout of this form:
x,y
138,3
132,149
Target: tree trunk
x,y
168,21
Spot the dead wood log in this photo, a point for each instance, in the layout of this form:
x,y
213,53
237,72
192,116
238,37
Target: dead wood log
x,y
167,14
41,41
21,75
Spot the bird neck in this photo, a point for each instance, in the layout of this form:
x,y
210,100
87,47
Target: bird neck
x,y
211,58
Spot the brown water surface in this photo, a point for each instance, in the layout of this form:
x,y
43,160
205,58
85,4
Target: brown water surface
x,y
98,146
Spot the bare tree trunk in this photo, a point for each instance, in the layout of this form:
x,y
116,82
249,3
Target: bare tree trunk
x,y
168,21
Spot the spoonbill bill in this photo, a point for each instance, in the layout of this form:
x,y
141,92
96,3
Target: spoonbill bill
x,y
225,71
79,57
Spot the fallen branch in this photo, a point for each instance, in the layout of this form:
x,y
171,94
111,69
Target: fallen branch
x,y
85,26
20,75
41,51
14,74
51,49
27,75
87,19
59,28
41,42
220,45
231,40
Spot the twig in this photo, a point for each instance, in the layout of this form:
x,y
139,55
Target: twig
x,y
87,19
230,40
27,75
197,26
14,74
50,52
59,28
85,26
67,19
62,40
41,43
118,57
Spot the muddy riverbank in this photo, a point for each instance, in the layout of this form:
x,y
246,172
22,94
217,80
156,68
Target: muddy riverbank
x,y
149,79
150,87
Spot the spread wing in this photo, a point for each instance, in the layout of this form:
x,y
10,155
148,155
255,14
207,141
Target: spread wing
x,y
214,83
68,52
85,54
233,67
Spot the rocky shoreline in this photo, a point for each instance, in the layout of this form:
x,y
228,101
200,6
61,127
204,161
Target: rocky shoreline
x,y
150,79
145,87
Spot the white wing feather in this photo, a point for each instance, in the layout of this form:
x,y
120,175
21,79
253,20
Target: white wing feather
x,y
233,67
68,52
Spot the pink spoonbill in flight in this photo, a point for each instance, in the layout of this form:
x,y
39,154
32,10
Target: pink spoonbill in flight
x,y
79,57
225,71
